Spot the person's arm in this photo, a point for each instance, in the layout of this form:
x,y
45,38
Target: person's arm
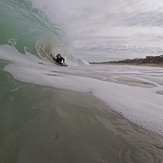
x,y
53,57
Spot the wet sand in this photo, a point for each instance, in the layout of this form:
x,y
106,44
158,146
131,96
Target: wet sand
x,y
47,125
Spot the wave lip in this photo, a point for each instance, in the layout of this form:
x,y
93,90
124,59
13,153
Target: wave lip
x,y
23,26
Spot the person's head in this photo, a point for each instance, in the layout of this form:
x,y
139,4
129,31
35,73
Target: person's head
x,y
58,56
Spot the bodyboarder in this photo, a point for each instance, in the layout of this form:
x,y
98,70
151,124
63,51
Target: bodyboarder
x,y
59,59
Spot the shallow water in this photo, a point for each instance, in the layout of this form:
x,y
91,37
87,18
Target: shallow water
x,y
42,124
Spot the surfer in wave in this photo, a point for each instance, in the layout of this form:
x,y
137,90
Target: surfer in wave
x,y
59,59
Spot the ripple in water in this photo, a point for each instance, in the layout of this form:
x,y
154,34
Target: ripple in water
x,y
139,152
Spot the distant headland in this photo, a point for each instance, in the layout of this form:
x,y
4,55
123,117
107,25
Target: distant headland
x,y
148,61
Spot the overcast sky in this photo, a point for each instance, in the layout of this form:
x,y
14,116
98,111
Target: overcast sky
x,y
109,29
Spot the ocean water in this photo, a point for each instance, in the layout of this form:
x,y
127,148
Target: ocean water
x,y
79,113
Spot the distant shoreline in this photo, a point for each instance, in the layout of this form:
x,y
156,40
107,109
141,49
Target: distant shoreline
x,y
152,61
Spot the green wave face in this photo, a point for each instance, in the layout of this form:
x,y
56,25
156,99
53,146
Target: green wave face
x,y
23,26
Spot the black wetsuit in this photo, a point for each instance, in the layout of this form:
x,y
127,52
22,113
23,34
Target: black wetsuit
x,y
59,60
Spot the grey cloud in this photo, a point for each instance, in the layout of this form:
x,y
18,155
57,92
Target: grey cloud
x,y
152,18
107,27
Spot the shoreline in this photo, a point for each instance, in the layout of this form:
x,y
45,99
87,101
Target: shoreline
x,y
130,64
151,61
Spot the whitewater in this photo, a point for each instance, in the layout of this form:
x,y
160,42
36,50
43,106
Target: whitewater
x,y
135,92
101,113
